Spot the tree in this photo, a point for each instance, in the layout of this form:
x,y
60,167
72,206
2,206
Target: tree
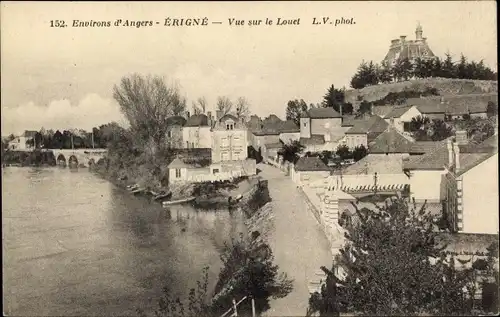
x,y
199,106
224,105
461,68
419,123
359,152
343,152
440,130
291,151
364,108
334,98
384,72
492,109
366,75
242,108
448,68
147,103
249,271
294,109
394,264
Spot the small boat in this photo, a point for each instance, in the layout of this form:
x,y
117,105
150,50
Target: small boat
x,y
132,187
137,191
162,196
178,201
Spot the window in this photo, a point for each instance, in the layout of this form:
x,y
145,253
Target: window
x,y
177,173
169,133
305,124
224,142
407,126
192,145
216,170
187,144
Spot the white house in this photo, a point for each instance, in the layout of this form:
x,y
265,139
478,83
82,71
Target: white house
x,y
23,142
196,133
401,117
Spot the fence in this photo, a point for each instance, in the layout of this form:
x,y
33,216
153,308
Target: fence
x,y
234,309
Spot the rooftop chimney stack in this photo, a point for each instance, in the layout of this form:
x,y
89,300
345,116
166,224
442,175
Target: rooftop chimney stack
x,y
449,146
457,156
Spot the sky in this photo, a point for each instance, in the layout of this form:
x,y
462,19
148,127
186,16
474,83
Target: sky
x,y
61,78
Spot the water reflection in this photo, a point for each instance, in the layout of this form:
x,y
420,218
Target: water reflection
x,y
76,245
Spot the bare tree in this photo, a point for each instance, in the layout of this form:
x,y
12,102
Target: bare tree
x,y
242,108
200,106
225,105
147,102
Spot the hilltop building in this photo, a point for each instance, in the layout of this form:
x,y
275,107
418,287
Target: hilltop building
x,y
410,49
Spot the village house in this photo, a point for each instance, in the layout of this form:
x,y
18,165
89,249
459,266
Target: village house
x,y
470,192
321,129
308,169
174,132
196,133
229,139
400,117
24,142
364,131
455,107
289,131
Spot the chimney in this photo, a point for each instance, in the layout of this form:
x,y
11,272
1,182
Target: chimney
x,y
461,137
218,114
449,146
457,156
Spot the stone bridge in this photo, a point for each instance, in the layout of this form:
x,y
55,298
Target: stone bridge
x,y
81,157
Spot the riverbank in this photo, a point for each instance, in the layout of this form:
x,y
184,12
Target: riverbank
x,y
28,158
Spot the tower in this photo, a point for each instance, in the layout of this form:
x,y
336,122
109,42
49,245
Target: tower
x,y
418,32
305,126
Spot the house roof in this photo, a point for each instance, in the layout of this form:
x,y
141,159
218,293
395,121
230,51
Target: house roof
x,y
29,134
397,112
408,50
421,147
391,141
490,142
381,111
178,163
315,139
311,164
372,164
348,120
228,116
453,104
373,124
321,113
176,120
276,145
436,159
466,243
289,126
197,120
470,160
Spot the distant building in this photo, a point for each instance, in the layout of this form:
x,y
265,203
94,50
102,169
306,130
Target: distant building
x,y
409,49
23,142
400,117
229,139
196,132
174,131
365,131
321,129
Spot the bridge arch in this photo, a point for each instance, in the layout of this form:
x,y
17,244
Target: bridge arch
x,y
73,160
61,160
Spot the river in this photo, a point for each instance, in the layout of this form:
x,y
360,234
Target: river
x,y
74,244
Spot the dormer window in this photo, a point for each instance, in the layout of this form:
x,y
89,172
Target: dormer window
x,y
229,126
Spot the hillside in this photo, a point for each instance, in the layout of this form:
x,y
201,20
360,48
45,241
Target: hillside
x,y
444,86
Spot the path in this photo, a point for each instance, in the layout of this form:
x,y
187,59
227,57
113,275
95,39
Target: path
x,y
299,245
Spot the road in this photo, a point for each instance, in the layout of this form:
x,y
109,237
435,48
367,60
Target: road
x,y
299,245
